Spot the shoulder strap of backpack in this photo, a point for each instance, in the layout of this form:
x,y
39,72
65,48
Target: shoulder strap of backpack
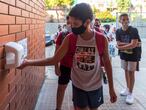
x,y
72,43
100,43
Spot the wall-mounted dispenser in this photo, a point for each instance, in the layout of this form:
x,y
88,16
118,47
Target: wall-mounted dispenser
x,y
15,53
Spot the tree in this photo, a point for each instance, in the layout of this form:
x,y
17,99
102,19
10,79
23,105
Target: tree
x,y
124,5
95,10
105,16
58,3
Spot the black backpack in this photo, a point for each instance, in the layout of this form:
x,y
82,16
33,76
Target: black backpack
x,y
139,41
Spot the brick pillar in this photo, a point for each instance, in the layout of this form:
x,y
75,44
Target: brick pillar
x,y
21,19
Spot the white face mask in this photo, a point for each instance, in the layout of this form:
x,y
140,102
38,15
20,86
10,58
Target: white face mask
x,y
68,28
65,30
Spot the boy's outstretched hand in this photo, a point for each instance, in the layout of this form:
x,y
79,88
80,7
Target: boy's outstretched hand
x,y
24,64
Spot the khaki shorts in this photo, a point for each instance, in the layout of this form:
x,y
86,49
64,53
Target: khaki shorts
x,y
129,65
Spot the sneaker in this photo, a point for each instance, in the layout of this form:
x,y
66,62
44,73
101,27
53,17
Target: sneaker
x,y
124,92
130,99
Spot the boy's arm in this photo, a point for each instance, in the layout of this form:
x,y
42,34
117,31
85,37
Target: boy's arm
x,y
57,69
108,69
130,45
121,43
107,65
60,53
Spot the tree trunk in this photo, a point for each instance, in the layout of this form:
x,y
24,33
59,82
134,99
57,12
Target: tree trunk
x,y
57,16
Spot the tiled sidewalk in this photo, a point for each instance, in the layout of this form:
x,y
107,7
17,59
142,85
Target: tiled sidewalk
x,y
47,96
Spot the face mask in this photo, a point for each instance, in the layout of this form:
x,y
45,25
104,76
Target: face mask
x,y
65,30
79,30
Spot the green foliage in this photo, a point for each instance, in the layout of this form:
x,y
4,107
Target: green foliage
x,y
124,5
58,3
95,10
105,16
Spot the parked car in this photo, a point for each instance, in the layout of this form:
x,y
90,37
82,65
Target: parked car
x,y
49,40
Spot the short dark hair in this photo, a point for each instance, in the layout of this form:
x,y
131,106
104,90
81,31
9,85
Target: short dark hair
x,y
96,19
107,26
82,11
123,14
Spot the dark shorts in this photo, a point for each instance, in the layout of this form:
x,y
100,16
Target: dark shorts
x,y
91,99
65,75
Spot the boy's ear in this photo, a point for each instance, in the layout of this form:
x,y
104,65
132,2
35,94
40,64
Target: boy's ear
x,y
88,21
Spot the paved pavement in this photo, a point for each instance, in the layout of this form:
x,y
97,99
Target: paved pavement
x,y
46,100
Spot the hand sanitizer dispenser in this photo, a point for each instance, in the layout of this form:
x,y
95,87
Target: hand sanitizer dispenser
x,y
14,55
